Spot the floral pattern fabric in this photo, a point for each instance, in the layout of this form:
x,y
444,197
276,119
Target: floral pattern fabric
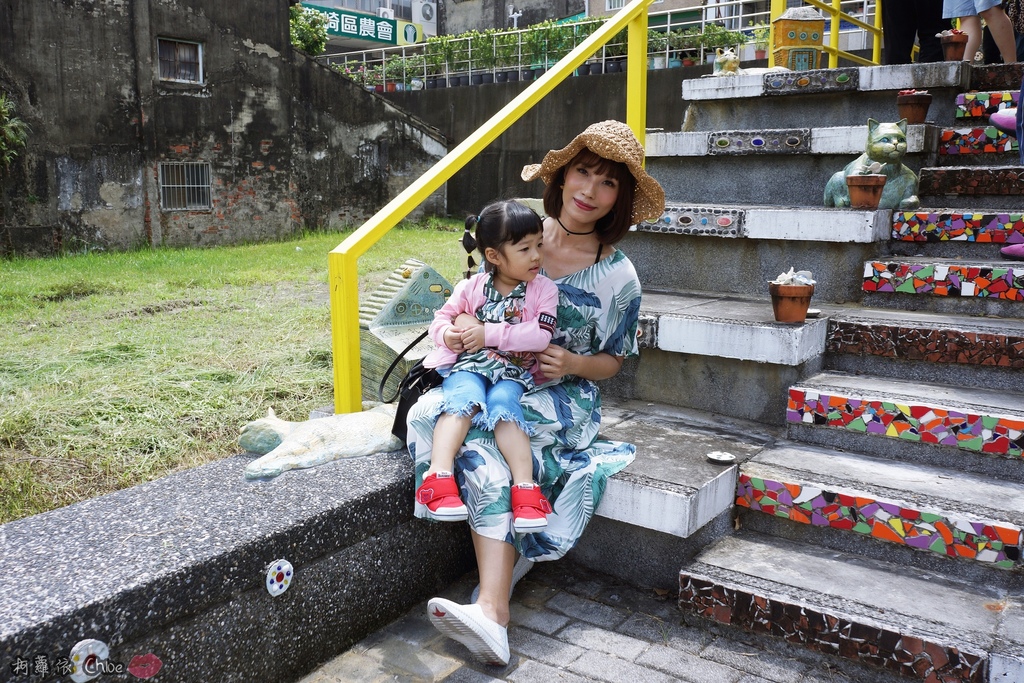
x,y
495,364
598,311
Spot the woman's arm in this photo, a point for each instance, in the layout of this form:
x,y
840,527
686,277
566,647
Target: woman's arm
x,y
556,363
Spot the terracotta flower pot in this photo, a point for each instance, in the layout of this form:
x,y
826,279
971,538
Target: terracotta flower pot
x,y
913,108
865,190
953,47
790,302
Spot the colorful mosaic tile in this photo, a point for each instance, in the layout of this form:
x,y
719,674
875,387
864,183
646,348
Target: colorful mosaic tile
x,y
703,220
975,105
1001,180
920,422
945,280
931,345
995,228
906,654
989,542
820,80
986,140
740,142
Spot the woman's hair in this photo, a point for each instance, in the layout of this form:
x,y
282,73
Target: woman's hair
x,y
500,223
612,227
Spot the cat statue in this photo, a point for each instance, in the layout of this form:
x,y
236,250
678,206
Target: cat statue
x,y
293,445
887,143
727,63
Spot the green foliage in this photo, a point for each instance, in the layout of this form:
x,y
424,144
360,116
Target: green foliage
x,y
716,35
13,132
761,34
657,42
307,29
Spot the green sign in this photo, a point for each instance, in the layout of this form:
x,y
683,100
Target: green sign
x,y
348,24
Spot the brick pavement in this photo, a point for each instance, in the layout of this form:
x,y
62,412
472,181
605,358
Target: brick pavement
x,y
571,625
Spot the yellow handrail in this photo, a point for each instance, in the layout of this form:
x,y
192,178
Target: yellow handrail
x,y
342,272
837,15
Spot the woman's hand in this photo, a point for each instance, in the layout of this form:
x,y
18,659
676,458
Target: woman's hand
x,y
556,363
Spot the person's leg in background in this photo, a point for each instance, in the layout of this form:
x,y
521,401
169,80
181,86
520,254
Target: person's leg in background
x,y
929,24
899,25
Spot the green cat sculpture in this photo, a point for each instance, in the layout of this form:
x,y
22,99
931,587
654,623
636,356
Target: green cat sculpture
x,y
887,143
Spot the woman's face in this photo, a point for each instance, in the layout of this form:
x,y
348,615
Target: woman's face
x,y
587,195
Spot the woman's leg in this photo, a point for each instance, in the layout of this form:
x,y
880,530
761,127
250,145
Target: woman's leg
x,y
971,25
1002,33
494,560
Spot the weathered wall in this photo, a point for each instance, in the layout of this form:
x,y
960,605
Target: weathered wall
x,y
289,143
458,16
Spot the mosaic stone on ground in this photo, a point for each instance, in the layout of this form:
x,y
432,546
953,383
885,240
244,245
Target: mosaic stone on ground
x,y
1005,282
971,181
904,653
986,140
918,421
989,542
924,344
976,105
995,228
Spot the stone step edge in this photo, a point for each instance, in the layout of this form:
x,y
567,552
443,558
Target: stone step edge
x,y
885,414
946,277
921,139
829,81
1005,99
805,498
825,624
970,181
949,225
985,139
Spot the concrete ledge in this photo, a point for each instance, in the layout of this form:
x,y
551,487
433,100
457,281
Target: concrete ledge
x,y
774,223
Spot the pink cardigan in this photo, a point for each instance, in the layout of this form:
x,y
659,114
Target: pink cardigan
x,y
532,334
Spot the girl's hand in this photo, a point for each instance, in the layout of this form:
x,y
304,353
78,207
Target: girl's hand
x,y
556,362
473,338
453,339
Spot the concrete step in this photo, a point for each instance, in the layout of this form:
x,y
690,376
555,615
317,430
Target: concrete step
x,y
976,188
925,508
928,347
925,625
996,77
947,285
978,106
914,421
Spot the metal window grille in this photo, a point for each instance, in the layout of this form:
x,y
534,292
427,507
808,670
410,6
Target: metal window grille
x,y
614,4
185,186
180,61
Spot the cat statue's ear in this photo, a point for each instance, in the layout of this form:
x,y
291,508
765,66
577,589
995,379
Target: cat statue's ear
x,y
903,126
872,126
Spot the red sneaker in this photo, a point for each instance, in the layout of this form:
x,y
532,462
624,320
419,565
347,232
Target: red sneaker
x,y
530,509
440,494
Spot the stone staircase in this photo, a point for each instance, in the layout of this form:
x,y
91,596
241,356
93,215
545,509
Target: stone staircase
x,y
879,490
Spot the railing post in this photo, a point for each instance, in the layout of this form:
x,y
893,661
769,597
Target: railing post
x,y
876,39
636,76
343,281
833,35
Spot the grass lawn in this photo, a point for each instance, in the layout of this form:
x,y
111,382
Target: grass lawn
x,y
120,368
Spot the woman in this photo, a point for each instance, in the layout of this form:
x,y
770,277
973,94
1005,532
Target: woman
x,y
970,13
596,188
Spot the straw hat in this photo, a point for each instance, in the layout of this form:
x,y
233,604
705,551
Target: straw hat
x,y
612,140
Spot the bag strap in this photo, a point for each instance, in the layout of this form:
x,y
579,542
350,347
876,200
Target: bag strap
x,y
394,363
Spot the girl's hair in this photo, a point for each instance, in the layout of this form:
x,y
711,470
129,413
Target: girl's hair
x,y
498,224
615,224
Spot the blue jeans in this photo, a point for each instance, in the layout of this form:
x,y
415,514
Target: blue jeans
x,y
498,402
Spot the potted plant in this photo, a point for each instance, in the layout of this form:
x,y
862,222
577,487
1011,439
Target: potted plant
x,y
791,295
685,42
761,34
954,44
395,73
506,56
657,49
483,57
438,56
866,187
615,51
912,105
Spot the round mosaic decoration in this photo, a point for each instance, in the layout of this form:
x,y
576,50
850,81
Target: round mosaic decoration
x,y
279,577
87,658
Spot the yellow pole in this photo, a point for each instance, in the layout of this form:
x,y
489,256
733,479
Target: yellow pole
x,y
833,35
636,77
876,47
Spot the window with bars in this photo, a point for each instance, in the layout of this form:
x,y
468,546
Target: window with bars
x,y
610,5
180,61
185,186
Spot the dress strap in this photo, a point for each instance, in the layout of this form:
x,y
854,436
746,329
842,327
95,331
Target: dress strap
x,y
600,248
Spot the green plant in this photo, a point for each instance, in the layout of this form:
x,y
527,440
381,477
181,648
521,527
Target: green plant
x,y
761,34
506,49
396,68
657,42
436,53
13,132
307,29
716,35
483,50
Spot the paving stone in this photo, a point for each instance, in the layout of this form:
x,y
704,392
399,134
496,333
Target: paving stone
x,y
468,675
591,637
396,654
687,666
536,672
587,610
352,667
604,667
664,632
755,660
542,648
542,620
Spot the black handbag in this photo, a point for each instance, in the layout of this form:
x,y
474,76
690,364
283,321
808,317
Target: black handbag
x,y
418,381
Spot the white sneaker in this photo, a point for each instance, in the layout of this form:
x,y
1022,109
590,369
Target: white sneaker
x,y
523,566
485,639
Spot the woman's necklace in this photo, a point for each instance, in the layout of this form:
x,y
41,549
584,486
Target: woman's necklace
x,y
570,232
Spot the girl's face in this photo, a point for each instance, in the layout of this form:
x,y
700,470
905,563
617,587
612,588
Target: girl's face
x,y
519,262
587,195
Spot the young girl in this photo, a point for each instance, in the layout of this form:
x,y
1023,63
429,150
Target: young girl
x,y
488,368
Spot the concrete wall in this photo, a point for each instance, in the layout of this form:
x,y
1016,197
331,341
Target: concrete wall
x,y
458,16
289,142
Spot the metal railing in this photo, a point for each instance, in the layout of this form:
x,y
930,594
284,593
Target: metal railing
x,y
342,261
835,16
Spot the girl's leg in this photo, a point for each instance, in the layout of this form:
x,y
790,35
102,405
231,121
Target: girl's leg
x,y
1002,32
495,560
463,395
505,417
972,27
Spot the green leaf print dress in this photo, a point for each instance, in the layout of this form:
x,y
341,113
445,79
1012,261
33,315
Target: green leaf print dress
x,y
598,310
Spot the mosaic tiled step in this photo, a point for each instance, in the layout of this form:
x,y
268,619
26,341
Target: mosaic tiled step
x,y
914,506
995,77
944,277
949,225
928,337
980,420
926,626
971,181
980,140
980,105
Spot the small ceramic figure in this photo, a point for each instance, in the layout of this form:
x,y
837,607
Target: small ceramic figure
x,y
886,145
727,63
